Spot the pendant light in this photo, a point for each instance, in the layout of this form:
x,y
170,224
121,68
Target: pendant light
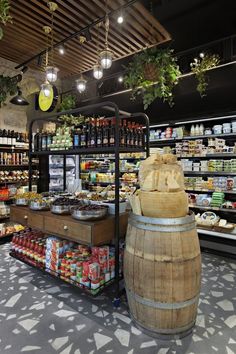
x,y
97,69
106,55
46,87
51,71
19,100
81,83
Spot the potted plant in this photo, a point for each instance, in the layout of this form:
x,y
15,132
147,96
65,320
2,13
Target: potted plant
x,y
153,74
4,14
200,66
8,86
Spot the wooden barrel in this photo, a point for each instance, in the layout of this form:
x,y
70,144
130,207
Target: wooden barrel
x,y
164,204
162,271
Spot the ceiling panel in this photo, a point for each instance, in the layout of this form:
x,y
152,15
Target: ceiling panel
x,y
25,38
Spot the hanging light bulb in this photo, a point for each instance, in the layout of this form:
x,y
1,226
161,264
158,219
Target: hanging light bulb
x,y
51,73
97,71
46,87
120,18
106,57
61,49
81,84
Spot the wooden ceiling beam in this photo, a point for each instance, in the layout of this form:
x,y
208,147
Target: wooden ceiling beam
x,y
86,10
32,22
62,14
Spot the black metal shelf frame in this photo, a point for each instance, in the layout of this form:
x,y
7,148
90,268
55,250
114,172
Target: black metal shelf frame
x,y
116,150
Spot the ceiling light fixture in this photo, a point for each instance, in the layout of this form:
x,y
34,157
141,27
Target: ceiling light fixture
x,y
46,87
81,83
120,19
106,55
51,71
97,69
61,49
19,100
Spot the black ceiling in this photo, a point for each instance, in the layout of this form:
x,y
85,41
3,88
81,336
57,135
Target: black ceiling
x,y
195,22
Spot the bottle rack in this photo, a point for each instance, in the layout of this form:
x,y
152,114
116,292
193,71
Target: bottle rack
x,y
230,139
115,150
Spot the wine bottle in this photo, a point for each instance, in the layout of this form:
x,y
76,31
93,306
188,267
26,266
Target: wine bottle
x,y
4,137
112,132
49,141
99,134
93,133
8,137
76,138
44,141
83,136
105,139
1,136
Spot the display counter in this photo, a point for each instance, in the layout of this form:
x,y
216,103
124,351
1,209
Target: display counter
x,y
89,233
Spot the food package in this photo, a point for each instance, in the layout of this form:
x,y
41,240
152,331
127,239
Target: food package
x,y
161,173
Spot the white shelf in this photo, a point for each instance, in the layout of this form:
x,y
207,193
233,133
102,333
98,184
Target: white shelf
x,y
208,191
230,236
213,208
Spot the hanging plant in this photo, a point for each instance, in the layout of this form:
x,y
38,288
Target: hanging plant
x,y
200,66
68,102
4,14
8,86
153,74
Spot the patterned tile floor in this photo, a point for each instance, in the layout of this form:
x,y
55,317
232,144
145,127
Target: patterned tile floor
x,y
43,316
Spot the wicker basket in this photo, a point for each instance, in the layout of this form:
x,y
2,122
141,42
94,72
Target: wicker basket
x,y
164,204
151,72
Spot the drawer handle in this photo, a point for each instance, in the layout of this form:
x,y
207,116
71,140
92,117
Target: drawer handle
x,y
25,217
65,228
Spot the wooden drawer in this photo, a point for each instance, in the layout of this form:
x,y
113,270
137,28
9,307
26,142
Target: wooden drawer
x,y
36,220
73,230
20,215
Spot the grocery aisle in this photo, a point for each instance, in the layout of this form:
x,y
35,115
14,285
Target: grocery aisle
x,y
41,315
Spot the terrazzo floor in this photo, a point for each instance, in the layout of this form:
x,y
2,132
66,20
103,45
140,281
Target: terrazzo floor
x,y
44,316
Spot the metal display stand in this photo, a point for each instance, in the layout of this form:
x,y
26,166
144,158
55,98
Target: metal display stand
x,y
116,150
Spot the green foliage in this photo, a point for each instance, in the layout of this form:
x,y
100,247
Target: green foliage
x,y
167,69
4,14
68,102
70,120
199,67
8,86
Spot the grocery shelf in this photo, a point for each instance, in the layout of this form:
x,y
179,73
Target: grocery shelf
x,y
226,210
15,182
229,236
208,156
87,151
54,274
6,217
13,148
61,166
208,191
112,158
209,173
173,140
104,184
108,171
229,135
